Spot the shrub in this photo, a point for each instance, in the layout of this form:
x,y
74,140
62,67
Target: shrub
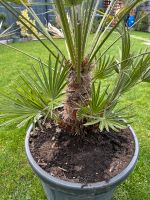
x,y
30,31
143,24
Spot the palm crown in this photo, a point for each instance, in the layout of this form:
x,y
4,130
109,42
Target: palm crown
x,y
83,74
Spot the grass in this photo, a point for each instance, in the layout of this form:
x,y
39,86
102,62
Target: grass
x,y
144,35
17,181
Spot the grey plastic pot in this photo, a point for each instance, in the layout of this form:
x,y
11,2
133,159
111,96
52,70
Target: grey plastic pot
x,y
57,189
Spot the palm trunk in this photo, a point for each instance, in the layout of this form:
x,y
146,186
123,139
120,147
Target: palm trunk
x,y
77,94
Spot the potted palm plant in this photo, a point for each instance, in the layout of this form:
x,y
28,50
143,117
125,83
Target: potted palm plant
x,y
79,143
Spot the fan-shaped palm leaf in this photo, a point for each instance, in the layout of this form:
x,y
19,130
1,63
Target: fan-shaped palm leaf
x,y
39,93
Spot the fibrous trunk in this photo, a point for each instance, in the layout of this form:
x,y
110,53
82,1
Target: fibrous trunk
x,y
78,93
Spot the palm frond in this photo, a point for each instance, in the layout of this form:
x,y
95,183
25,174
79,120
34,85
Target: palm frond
x,y
42,29
146,76
105,67
73,2
135,73
18,1
118,38
27,24
41,92
113,120
98,98
66,28
22,52
7,32
102,37
96,104
99,33
126,46
100,111
38,95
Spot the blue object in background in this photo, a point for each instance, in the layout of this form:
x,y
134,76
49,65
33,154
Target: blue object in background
x,y
131,21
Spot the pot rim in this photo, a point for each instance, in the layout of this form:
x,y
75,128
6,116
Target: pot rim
x,y
76,186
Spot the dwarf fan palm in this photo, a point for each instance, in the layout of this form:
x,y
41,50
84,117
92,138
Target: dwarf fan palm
x,y
86,103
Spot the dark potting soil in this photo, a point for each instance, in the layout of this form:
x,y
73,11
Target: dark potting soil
x,y
89,158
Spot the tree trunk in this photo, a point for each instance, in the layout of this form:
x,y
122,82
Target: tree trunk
x,y
77,94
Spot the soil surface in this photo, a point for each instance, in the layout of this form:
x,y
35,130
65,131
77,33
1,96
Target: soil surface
x,y
89,158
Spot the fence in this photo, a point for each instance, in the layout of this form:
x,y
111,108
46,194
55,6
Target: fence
x,y
41,11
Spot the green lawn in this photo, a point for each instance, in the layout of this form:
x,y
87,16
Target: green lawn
x,y
144,35
17,181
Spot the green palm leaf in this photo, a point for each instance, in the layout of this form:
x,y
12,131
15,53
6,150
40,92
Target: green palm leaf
x,y
41,92
38,95
105,67
73,2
